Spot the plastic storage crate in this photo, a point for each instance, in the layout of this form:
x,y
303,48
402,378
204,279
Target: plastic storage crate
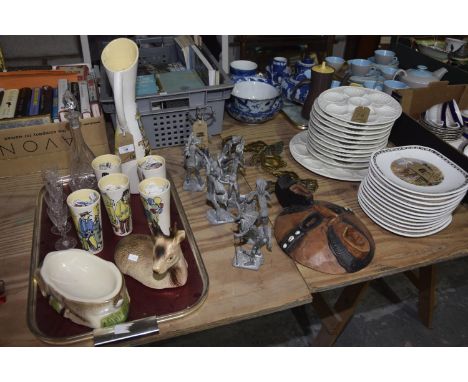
x,y
168,118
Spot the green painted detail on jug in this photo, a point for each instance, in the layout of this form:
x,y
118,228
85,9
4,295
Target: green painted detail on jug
x,y
55,304
117,317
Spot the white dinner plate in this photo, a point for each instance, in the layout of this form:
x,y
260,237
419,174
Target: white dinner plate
x,y
348,133
339,157
340,103
341,146
411,205
339,150
411,196
406,233
298,149
393,164
408,216
400,223
353,140
343,140
336,123
337,162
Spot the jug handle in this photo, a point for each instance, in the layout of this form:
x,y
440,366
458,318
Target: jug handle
x,y
398,72
119,106
296,87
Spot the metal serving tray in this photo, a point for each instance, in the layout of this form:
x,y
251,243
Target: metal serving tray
x,y
148,307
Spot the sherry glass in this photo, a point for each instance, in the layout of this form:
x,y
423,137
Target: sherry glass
x,y
55,196
59,219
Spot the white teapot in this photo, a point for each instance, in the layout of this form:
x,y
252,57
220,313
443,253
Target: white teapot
x,y
421,77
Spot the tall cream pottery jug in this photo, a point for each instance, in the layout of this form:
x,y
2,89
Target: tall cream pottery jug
x,y
120,59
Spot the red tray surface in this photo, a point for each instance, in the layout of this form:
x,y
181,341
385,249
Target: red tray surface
x,y
144,301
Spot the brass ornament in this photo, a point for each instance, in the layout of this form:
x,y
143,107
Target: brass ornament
x,y
255,147
268,157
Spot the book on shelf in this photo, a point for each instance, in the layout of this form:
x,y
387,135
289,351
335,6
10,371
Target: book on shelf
x,y
184,42
24,99
146,85
75,90
8,105
180,81
93,97
203,67
214,64
35,101
55,113
47,98
62,88
84,99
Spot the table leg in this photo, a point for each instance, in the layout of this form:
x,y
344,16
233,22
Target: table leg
x,y
427,284
380,286
335,320
302,319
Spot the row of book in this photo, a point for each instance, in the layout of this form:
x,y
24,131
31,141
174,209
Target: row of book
x,y
48,101
197,61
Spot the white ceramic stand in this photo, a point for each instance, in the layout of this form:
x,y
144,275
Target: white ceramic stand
x,y
120,59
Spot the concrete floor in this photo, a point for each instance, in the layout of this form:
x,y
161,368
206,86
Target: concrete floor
x,y
377,321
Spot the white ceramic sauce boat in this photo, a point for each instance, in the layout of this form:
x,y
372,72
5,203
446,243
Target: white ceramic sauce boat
x,y
84,288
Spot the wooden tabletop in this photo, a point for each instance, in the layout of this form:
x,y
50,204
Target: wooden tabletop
x,y
394,253
234,294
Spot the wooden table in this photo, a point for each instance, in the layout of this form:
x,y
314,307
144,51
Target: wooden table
x,y
234,294
394,254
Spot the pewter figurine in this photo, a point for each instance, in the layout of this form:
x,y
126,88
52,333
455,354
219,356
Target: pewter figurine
x,y
193,163
253,228
236,164
216,193
232,151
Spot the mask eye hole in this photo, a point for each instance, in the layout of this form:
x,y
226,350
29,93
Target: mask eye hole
x,y
170,258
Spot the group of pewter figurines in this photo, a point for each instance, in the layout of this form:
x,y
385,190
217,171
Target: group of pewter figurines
x,y
249,211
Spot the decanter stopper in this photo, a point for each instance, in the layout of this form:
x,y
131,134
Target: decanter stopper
x,y
81,171
70,103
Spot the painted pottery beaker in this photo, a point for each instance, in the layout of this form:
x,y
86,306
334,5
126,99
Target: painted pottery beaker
x,y
106,164
155,194
151,166
85,210
116,197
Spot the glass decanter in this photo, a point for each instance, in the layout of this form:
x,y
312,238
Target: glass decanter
x,y
81,172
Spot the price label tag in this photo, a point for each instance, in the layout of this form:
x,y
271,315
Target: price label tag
x,y
133,257
361,114
121,329
200,130
127,149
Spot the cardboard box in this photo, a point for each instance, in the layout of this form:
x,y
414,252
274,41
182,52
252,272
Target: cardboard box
x,y
24,150
416,101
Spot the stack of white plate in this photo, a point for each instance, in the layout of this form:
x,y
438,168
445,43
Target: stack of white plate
x,y
336,140
444,120
412,190
445,133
